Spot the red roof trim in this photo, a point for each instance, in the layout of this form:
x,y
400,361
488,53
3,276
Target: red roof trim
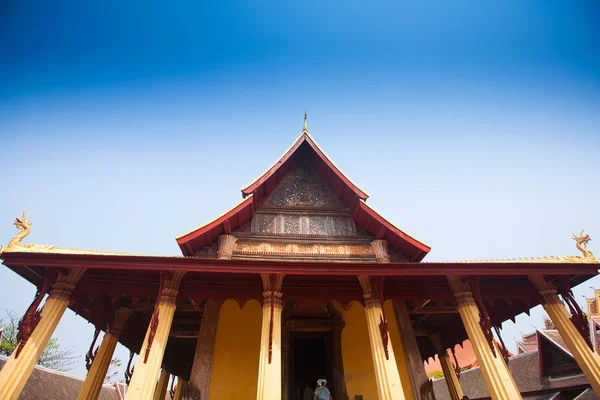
x,y
393,229
164,263
185,238
305,137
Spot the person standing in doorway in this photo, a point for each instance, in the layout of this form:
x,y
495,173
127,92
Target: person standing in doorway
x,y
321,392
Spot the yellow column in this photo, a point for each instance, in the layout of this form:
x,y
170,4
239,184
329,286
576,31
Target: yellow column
x,y
269,370
179,389
387,377
16,371
588,360
454,388
97,373
162,385
143,381
498,379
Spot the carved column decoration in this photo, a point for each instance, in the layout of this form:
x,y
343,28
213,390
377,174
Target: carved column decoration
x,y
380,248
383,323
227,244
497,377
578,318
129,369
485,321
32,316
387,375
269,370
91,354
154,320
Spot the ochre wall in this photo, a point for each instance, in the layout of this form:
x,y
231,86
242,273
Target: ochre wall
x,y
396,341
234,372
356,354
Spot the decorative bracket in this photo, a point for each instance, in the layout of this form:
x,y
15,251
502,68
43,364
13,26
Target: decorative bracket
x,y
154,320
383,323
129,370
91,354
32,316
578,318
485,321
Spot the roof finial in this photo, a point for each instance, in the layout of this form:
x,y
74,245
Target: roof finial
x,y
305,129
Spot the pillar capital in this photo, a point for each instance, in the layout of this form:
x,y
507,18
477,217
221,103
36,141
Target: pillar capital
x,y
170,288
272,282
227,245
380,248
274,298
462,291
65,283
547,290
372,291
121,317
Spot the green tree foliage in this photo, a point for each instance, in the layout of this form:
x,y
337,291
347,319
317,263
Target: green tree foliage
x,y
54,356
435,374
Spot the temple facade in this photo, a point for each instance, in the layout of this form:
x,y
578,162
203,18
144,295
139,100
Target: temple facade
x,y
300,280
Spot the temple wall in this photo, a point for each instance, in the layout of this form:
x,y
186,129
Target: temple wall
x,y
396,341
356,354
234,370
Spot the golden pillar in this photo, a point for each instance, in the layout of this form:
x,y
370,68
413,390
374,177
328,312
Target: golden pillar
x,y
143,381
97,373
588,360
17,369
450,376
162,385
179,389
498,379
387,377
269,367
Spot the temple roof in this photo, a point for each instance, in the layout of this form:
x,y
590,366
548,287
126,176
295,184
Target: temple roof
x,y
286,159
350,195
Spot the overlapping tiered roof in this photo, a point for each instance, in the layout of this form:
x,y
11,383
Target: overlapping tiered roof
x,y
350,194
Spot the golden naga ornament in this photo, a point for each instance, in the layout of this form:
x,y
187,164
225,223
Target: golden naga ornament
x,y
23,225
581,241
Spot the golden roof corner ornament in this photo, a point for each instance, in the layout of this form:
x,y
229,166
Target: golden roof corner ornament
x,y
305,128
23,225
581,243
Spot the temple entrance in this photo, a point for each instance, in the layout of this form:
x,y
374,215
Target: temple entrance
x,y
311,358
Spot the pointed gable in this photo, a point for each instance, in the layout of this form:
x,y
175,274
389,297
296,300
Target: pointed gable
x,y
302,187
305,147
304,177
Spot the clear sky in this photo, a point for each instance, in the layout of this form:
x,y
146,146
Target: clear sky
x,y
473,126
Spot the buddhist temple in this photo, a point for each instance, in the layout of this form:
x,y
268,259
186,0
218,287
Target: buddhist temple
x,y
301,280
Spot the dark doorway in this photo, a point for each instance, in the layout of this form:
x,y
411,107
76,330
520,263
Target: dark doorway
x,y
310,360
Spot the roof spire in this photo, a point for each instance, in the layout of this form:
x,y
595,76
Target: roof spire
x,y
305,129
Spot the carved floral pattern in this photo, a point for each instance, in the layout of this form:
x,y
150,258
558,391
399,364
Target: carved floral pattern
x,y
302,187
256,247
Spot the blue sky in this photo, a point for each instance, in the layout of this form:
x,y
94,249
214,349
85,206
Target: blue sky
x,y
473,126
